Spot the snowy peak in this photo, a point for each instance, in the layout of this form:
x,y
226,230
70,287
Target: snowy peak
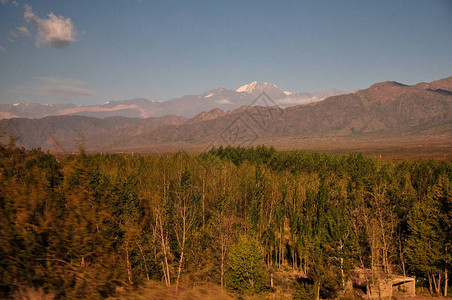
x,y
250,88
215,92
187,106
256,88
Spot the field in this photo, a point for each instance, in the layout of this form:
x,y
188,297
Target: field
x,y
371,145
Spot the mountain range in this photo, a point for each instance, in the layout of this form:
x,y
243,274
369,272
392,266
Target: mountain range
x,y
416,115
188,106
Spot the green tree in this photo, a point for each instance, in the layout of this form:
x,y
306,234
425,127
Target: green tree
x,y
424,241
247,274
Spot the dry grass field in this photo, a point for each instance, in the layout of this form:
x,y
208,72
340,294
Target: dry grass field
x,y
372,145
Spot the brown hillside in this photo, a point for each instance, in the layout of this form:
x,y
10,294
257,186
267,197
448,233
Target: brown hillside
x,y
389,109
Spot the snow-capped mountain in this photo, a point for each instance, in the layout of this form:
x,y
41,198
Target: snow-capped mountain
x,y
256,88
387,111
284,98
186,106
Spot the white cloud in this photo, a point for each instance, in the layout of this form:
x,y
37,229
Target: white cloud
x,y
24,30
63,92
57,32
55,88
223,101
49,80
2,49
12,34
298,101
3,1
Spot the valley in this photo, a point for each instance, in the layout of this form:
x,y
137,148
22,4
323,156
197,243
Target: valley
x,y
388,119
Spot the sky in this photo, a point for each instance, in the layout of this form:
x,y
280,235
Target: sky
x,y
89,52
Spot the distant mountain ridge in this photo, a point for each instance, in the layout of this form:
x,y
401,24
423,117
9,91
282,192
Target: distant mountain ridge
x,y
186,106
389,109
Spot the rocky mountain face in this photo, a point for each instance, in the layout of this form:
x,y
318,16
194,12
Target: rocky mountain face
x,y
387,108
187,106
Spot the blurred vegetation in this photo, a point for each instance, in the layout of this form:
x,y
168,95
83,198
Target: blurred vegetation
x,y
93,226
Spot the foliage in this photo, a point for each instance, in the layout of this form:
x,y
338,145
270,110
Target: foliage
x,y
87,226
305,291
247,274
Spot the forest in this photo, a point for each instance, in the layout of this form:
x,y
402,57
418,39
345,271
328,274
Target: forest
x,y
90,225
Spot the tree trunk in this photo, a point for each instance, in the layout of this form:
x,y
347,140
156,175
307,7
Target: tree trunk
x,y
435,285
445,277
129,271
402,260
164,273
167,266
222,264
144,260
203,202
341,259
168,278
281,248
438,287
317,296
179,270
342,272
445,282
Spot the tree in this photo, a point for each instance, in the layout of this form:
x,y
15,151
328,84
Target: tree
x,y
248,273
425,241
429,236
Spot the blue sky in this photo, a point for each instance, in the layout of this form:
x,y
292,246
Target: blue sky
x,y
88,52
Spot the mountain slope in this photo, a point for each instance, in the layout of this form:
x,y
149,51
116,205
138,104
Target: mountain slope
x,y
444,84
187,106
360,113
386,108
47,132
